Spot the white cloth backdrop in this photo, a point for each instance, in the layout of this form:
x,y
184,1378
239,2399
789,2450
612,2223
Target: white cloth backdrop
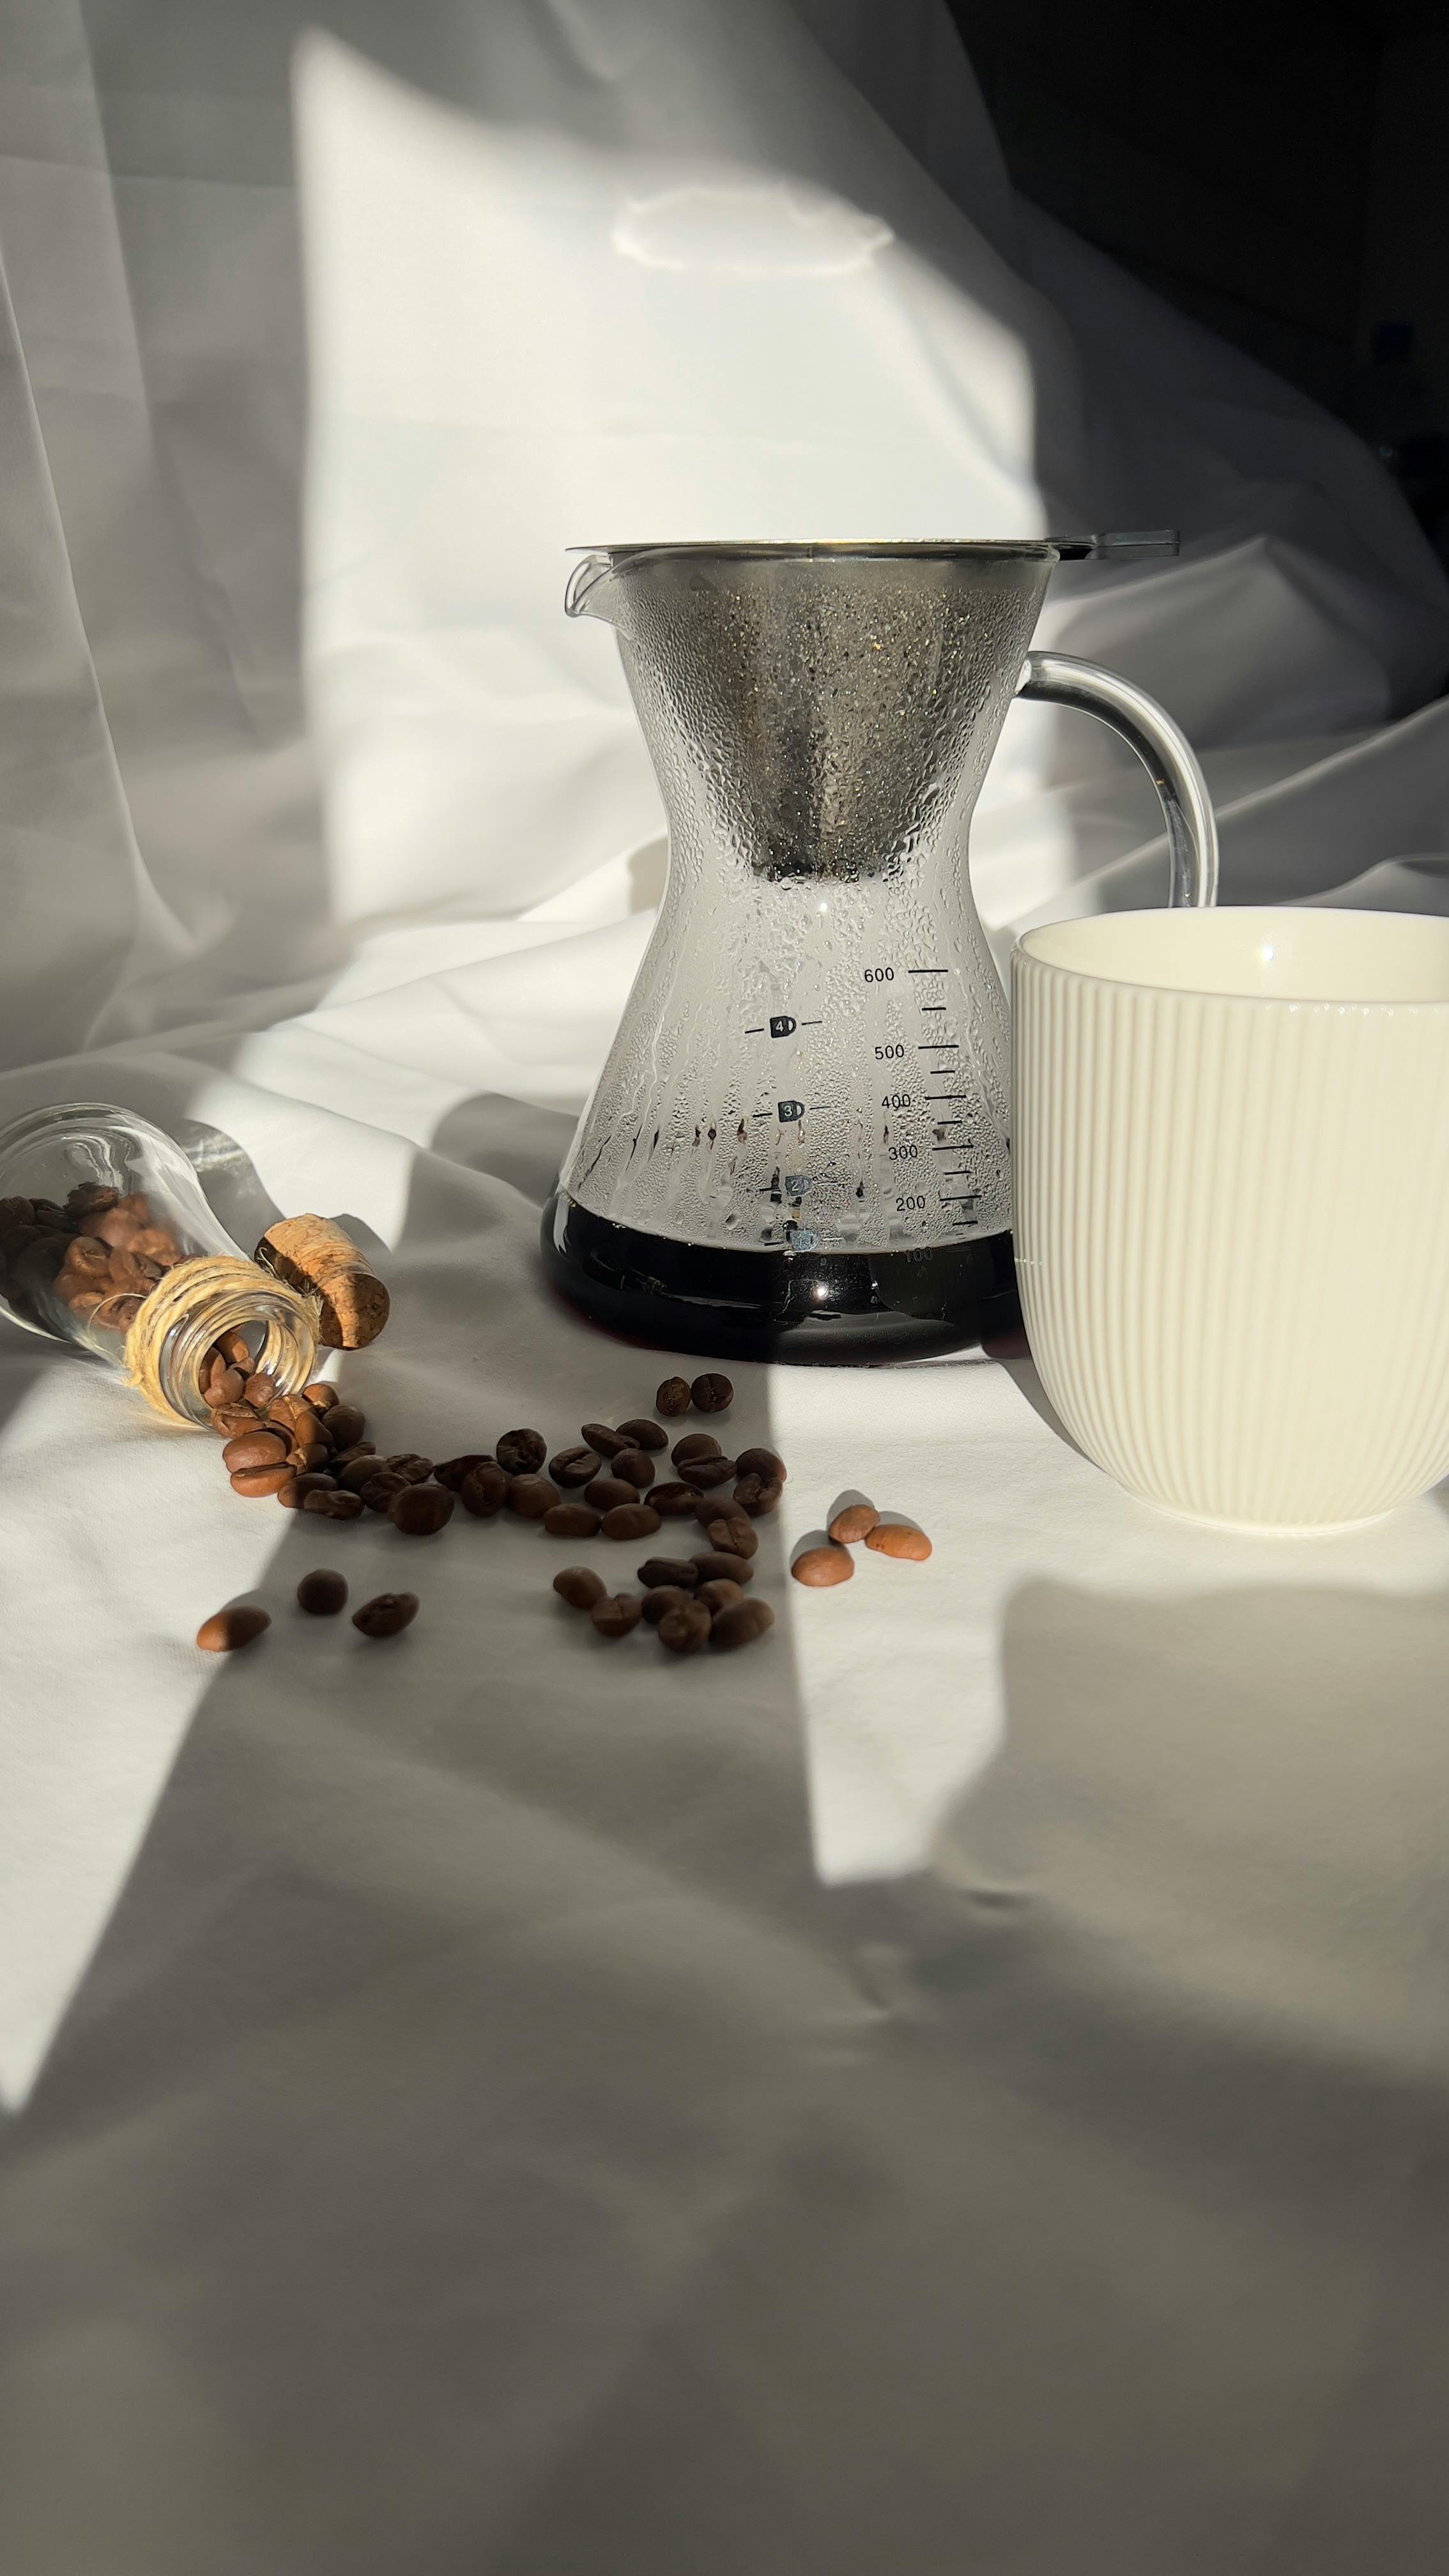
x,y
965,2086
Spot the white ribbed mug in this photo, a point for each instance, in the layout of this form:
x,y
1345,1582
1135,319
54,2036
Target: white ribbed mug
x,y
1231,1152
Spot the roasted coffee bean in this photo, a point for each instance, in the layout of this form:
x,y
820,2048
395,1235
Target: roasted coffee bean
x,y
664,1597
118,1314
579,1586
90,1198
156,1243
359,1473
695,1444
718,1596
617,1613
349,1457
413,1469
684,1630
117,1227
732,1532
602,1440
571,1520
711,1393
895,1538
821,1566
741,1624
452,1471
85,1261
232,1421
704,1473
387,1614
332,1503
420,1511
235,1349
531,1497
717,1565
254,1481
521,1453
605,1491
629,1520
574,1466
675,1502
381,1486
345,1425
671,1396
641,1433
294,1493
321,1396
308,1456
225,1630
482,1490
259,1448
851,1523
762,1463
260,1386
323,1593
758,1495
634,1466
225,1387
283,1411
667,1569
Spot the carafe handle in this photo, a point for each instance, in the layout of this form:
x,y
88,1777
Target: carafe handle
x,y
1164,751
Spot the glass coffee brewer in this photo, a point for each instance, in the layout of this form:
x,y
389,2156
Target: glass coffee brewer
x,y
799,1145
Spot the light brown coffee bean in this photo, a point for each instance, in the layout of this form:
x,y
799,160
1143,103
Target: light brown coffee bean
x,y
331,1502
230,1421
482,1490
117,1227
579,1586
741,1624
521,1453
634,1467
718,1596
657,1570
345,1424
819,1567
601,1439
260,1386
226,1630
851,1524
617,1613
323,1593
717,1565
703,1473
377,1494
571,1520
762,1463
452,1472
321,1395
386,1614
684,1630
605,1491
695,1444
671,1396
574,1466
732,1532
293,1494
283,1412
641,1433
758,1495
413,1469
711,1393
255,1481
531,1497
225,1387
664,1596
259,1448
309,1457
235,1350
629,1520
675,1502
895,1538
420,1511
358,1474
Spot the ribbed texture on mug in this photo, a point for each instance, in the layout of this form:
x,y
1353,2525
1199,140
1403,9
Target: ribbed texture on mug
x,y
1232,1238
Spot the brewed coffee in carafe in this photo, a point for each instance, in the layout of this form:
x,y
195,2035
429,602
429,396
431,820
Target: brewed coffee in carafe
x,y
799,1145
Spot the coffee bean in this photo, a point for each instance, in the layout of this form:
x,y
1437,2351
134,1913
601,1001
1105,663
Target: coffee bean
x,y
294,1493
629,1520
307,1458
894,1538
321,1396
574,1466
821,1566
420,1511
758,1495
482,1490
731,1531
254,1481
579,1586
283,1412
602,1440
762,1463
332,1503
235,1350
851,1524
521,1453
89,1198
718,1596
349,1457
345,1425
531,1497
672,1396
675,1502
453,1471
260,1387
741,1624
259,1448
711,1393
225,1630
695,1444
225,1387
381,1486
641,1433
617,1613
606,1491
664,1597
413,1469
634,1466
359,1473
667,1569
704,1473
387,1614
684,1630
717,1565
323,1593
571,1520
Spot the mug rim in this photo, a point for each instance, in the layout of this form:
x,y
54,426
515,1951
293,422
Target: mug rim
x,y
1248,916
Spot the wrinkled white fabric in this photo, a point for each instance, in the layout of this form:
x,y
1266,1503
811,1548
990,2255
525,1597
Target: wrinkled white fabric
x,y
963,2085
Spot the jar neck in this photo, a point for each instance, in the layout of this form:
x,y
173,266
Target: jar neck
x,y
171,1344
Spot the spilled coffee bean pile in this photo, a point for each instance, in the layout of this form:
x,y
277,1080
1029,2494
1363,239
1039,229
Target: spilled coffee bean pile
x,y
97,1256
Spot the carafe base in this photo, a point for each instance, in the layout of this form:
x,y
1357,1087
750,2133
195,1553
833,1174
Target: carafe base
x,y
831,1308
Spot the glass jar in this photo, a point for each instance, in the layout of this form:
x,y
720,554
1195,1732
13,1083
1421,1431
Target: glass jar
x,y
107,1241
